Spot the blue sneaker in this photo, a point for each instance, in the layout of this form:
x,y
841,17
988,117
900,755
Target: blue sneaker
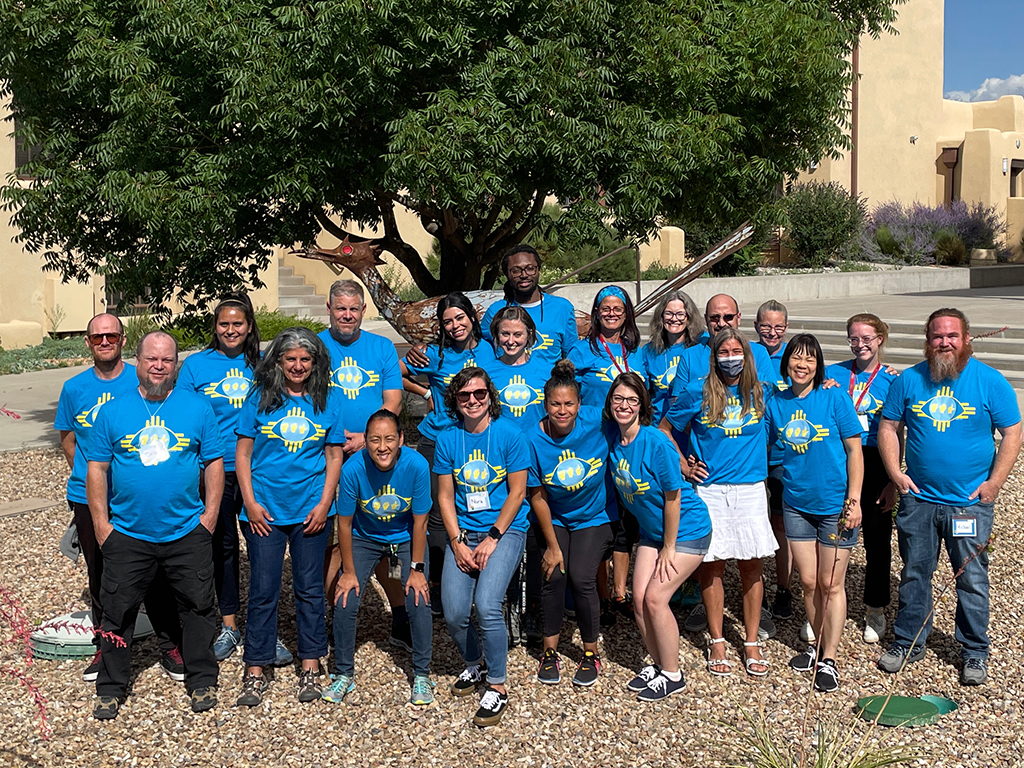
x,y
422,691
226,643
340,687
283,656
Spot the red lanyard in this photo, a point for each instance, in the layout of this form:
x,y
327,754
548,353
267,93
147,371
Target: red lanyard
x,y
853,381
625,357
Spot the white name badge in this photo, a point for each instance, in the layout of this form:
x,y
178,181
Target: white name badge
x,y
863,421
964,527
153,453
478,500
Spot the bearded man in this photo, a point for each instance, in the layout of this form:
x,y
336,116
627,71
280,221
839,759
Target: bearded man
x,y
949,404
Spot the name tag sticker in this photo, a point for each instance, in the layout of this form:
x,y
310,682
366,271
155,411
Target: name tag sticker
x,y
964,527
863,421
478,500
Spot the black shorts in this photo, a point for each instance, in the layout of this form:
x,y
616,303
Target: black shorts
x,y
625,532
775,489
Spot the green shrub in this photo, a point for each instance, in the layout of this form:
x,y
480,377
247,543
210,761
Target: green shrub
x,y
272,323
887,243
135,327
51,353
823,222
950,249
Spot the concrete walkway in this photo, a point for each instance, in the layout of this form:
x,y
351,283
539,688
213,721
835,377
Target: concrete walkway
x,y
34,395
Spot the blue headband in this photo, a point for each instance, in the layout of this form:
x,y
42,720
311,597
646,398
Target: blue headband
x,y
611,290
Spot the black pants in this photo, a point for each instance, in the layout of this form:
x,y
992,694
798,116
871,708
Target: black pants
x,y
225,547
582,553
625,532
162,613
876,528
437,537
132,565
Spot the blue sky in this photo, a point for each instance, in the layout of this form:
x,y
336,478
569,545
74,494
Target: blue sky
x,y
984,58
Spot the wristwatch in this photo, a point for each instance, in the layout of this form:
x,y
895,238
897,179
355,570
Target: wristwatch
x,y
427,395
418,567
494,533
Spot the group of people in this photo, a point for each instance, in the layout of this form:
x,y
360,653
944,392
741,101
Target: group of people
x,y
698,447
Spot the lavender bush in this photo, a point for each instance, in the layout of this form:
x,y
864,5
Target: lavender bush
x,y
910,234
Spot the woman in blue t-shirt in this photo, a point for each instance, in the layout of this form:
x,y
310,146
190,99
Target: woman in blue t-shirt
x,y
725,414
675,530
570,500
223,373
481,464
676,324
867,380
288,462
516,374
823,469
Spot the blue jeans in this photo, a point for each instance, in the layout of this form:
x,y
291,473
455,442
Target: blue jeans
x,y
365,555
266,563
921,527
486,588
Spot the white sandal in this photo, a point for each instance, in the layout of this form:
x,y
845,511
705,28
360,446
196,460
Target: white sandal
x,y
717,662
747,661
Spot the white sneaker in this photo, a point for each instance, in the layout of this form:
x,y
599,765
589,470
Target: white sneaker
x,y
806,633
874,624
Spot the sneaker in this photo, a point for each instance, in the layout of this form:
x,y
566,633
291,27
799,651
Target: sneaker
x,y
874,625
422,691
532,627
107,707
624,605
282,656
661,688
467,680
227,641
975,672
893,660
309,685
340,687
93,670
492,707
588,670
253,688
608,614
173,664
782,606
203,699
697,621
766,629
804,662
643,677
806,633
826,676
550,670
401,635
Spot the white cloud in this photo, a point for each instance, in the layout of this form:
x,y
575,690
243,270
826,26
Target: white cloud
x,y
991,89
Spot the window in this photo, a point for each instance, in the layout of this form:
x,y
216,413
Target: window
x,y
23,154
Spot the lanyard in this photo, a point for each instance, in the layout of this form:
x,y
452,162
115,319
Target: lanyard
x,y
853,381
625,357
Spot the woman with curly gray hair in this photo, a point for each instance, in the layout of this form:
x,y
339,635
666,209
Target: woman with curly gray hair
x,y
288,462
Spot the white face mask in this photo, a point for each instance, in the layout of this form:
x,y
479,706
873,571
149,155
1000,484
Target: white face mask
x,y
731,366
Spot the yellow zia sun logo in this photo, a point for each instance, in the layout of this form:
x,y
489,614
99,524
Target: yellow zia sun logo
x,y
610,372
800,433
88,417
517,396
543,342
387,504
943,409
470,363
733,420
572,472
234,386
155,432
295,429
350,378
476,474
664,381
869,404
628,485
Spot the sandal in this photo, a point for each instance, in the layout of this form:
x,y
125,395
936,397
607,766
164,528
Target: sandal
x,y
749,663
712,663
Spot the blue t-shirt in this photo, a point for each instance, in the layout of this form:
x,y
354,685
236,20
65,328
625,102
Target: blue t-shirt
x,y
870,408
81,400
644,471
225,382
661,372
812,430
776,452
574,472
482,462
382,504
154,451
362,372
950,449
735,450
520,389
555,319
596,372
288,463
439,373
696,361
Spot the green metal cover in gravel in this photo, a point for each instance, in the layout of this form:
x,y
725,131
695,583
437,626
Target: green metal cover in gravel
x,y
898,710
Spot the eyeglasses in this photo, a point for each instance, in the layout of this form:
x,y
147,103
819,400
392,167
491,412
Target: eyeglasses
x,y
99,338
778,330
612,311
722,318
674,316
477,394
623,400
856,342
528,271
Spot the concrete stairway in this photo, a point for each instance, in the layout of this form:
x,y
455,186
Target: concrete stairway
x,y
296,298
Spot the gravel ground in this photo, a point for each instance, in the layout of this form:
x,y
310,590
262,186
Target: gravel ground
x,y
544,725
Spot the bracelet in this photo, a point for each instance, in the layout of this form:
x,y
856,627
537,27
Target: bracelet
x,y
427,395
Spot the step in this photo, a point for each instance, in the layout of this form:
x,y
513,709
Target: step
x,y
798,323
995,345
296,290
291,280
283,271
901,358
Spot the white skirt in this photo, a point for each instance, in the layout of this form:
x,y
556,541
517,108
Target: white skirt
x,y
740,526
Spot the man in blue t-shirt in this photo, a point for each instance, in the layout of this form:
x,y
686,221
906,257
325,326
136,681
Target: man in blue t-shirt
x,y
142,482
81,400
950,404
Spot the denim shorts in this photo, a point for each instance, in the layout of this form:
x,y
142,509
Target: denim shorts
x,y
689,547
801,526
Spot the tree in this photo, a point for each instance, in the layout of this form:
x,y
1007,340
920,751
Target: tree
x,y
181,141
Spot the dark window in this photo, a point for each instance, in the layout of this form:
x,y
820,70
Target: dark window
x,y
23,154
1016,166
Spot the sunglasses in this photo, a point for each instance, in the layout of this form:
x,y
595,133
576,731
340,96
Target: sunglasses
x,y
99,338
722,318
477,394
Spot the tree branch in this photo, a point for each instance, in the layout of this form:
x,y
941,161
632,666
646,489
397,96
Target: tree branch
x,y
513,219
405,253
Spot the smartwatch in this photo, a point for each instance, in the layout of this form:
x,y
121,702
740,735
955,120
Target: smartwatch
x,y
418,567
427,395
494,533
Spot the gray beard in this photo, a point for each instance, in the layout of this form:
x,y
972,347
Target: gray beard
x,y
157,391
